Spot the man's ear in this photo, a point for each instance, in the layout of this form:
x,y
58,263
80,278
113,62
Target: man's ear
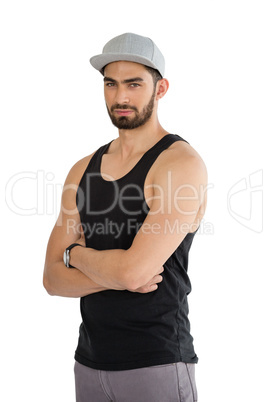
x,y
161,88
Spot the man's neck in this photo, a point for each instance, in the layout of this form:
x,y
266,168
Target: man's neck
x,y
139,140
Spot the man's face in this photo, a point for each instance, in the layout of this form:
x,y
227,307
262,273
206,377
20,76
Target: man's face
x,y
129,94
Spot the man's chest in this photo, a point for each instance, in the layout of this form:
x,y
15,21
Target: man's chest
x,y
112,169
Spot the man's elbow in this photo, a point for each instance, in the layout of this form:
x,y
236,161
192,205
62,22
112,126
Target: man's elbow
x,y
48,286
138,276
131,284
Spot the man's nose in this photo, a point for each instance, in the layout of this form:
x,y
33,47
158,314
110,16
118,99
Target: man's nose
x,y
121,96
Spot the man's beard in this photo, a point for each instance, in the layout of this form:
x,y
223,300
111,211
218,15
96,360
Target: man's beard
x,y
124,123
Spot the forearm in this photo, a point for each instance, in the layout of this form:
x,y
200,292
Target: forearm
x,y
108,268
68,282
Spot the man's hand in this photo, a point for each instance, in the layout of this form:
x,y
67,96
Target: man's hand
x,y
151,286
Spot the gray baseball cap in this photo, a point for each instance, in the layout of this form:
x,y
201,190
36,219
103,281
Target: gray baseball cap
x,y
130,47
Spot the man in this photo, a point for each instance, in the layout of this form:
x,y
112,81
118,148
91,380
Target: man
x,y
128,217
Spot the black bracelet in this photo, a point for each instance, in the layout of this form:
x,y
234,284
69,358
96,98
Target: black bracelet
x,y
67,251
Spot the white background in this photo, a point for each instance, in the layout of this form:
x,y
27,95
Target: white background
x,y
53,114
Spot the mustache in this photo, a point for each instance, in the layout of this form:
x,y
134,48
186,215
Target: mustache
x,y
117,106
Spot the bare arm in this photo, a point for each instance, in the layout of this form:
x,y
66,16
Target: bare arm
x,y
58,279
61,281
170,219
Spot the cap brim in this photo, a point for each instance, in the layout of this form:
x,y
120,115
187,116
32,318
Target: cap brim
x,y
102,60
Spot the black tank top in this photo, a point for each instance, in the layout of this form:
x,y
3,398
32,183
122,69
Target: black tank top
x,y
123,330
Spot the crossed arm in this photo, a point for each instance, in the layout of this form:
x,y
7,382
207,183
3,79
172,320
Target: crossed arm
x,y
175,210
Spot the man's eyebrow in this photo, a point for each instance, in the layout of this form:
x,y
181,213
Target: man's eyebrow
x,y
136,79
105,79
128,81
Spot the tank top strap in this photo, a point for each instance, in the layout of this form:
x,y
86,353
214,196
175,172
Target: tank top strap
x,y
95,161
140,170
143,166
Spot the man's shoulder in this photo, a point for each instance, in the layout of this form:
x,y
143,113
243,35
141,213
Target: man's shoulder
x,y
180,157
77,170
181,150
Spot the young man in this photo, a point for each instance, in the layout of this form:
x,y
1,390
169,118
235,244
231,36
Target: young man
x,y
128,217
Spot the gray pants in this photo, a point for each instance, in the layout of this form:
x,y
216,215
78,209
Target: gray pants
x,y
166,383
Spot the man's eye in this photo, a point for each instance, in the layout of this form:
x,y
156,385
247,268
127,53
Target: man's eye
x,y
109,84
134,85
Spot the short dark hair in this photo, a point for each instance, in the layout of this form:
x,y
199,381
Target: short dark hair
x,y
155,74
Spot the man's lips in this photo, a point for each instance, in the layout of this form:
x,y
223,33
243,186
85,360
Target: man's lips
x,y
123,112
